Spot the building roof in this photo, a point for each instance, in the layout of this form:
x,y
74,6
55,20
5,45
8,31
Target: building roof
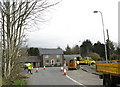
x,y
69,57
30,59
50,51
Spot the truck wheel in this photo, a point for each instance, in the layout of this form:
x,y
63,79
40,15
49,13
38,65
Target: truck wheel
x,y
108,83
89,64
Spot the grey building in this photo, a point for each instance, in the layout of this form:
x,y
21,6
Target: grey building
x,y
35,60
69,57
51,57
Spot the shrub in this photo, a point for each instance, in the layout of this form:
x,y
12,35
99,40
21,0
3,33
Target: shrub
x,y
94,56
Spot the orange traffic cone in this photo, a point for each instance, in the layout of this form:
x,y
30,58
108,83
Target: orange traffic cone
x,y
44,68
61,68
65,72
36,69
32,68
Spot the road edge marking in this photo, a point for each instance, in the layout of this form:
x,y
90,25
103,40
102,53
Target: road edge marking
x,y
75,81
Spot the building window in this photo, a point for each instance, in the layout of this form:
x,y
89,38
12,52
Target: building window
x,y
58,56
47,61
46,56
58,60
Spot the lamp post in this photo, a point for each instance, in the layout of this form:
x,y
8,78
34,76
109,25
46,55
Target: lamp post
x,y
103,33
79,48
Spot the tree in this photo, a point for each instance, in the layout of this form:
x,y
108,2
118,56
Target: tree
x,y
15,16
76,49
100,49
33,52
68,50
86,47
118,51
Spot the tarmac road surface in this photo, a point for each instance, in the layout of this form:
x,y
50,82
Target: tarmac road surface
x,y
50,76
53,76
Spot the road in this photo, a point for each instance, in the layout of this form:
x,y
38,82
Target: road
x,y
50,76
53,76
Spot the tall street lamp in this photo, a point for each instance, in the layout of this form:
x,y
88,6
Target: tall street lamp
x,y
79,49
103,32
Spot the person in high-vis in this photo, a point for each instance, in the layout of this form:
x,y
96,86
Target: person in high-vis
x,y
29,68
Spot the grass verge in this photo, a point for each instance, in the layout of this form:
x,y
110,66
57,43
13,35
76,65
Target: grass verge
x,y
93,67
19,82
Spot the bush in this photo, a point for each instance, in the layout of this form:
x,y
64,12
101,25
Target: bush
x,y
115,57
94,56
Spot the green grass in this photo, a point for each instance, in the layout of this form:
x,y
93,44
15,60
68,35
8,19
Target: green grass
x,y
93,67
0,81
19,82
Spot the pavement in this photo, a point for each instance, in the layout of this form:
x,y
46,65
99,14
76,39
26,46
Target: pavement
x,y
88,69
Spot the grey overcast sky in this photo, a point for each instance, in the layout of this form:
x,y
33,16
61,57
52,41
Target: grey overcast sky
x,y
73,21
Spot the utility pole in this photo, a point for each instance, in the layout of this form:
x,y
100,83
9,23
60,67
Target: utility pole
x,y
108,46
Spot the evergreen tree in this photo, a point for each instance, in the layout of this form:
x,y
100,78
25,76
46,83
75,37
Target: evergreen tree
x,y
76,49
86,47
33,52
68,50
100,49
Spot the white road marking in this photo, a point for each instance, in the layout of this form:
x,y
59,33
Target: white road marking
x,y
75,81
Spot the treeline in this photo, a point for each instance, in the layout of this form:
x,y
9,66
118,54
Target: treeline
x,y
96,50
33,52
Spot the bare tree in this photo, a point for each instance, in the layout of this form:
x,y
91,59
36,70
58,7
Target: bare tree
x,y
15,17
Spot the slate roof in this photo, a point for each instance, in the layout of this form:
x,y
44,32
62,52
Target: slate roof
x,y
30,59
69,57
50,51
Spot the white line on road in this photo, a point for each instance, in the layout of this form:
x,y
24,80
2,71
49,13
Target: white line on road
x,y
75,81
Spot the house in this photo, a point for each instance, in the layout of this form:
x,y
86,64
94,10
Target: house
x,y
49,57
35,60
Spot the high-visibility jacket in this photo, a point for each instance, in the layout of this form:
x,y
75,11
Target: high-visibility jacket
x,y
29,67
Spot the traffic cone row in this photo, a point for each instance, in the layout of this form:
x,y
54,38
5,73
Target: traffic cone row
x,y
65,73
44,68
32,68
37,69
63,70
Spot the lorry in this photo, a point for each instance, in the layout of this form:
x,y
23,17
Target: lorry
x,y
72,64
110,72
87,60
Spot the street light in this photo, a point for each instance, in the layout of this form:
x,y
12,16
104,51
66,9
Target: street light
x,y
103,32
79,48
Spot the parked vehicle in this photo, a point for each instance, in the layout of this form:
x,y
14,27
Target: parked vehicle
x,y
110,72
87,60
72,64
